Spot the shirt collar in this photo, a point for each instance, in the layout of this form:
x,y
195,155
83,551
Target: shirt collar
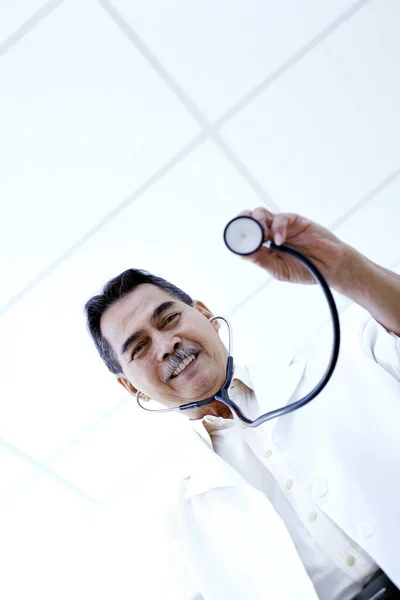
x,y
236,392
241,374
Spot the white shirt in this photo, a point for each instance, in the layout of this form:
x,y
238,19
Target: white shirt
x,y
336,565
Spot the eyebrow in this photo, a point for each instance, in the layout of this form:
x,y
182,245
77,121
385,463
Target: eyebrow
x,y
157,312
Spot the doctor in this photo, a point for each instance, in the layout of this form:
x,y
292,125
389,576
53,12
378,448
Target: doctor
x,y
306,506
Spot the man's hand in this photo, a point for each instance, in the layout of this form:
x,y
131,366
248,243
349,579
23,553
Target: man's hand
x,y
346,270
326,251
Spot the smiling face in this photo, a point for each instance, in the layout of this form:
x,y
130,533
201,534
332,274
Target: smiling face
x,y
151,332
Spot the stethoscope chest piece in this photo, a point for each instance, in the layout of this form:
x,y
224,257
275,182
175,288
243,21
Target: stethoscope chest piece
x,y
243,235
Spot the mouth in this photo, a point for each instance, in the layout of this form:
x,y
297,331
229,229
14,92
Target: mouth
x,y
185,368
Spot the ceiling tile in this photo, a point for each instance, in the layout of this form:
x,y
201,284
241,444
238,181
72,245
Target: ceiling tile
x,y
50,392
54,383
84,120
175,229
327,132
122,448
45,499
279,319
217,51
374,228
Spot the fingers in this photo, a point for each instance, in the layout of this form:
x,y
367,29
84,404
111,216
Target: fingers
x,y
279,228
275,226
262,215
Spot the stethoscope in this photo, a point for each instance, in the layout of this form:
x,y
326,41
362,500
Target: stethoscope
x,y
244,236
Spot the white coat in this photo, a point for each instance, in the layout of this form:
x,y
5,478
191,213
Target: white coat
x,y
230,543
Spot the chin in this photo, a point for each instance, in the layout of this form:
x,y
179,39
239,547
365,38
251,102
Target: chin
x,y
210,387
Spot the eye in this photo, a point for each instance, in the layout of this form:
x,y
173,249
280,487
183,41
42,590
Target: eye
x,y
170,318
136,350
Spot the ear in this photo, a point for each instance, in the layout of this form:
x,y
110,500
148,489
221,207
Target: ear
x,y
129,387
201,307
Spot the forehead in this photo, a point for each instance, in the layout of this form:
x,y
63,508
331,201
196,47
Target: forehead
x,y
131,311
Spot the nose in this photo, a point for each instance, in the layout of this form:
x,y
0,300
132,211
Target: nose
x,y
167,347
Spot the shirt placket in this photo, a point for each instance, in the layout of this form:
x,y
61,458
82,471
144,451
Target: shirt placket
x,y
341,550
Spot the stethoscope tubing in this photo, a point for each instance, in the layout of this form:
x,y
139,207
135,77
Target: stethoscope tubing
x,y
309,265
222,395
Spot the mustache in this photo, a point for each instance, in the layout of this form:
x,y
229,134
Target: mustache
x,y
178,358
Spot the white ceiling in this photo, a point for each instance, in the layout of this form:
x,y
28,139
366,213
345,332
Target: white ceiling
x,y
131,132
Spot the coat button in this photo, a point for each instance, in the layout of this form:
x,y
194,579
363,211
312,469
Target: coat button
x,y
289,484
312,516
350,560
267,453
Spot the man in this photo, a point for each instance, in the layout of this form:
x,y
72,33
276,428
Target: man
x,y
308,505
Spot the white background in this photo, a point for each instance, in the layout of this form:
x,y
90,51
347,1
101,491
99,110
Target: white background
x,y
130,133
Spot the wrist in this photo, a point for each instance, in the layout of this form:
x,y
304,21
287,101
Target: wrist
x,y
355,275
373,287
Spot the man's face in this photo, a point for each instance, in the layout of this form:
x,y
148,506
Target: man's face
x,y
149,359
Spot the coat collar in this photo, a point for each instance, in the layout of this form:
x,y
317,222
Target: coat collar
x,y
208,470
274,383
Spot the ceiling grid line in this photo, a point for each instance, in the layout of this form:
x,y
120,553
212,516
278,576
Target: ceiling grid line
x,y
43,12
289,64
209,130
105,220
42,468
186,101
369,196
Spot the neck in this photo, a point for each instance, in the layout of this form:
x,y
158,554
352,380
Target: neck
x,y
216,409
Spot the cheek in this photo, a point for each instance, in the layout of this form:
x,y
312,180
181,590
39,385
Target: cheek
x,y
137,375
149,378
203,332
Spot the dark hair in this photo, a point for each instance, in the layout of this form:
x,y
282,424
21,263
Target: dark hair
x,y
115,289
